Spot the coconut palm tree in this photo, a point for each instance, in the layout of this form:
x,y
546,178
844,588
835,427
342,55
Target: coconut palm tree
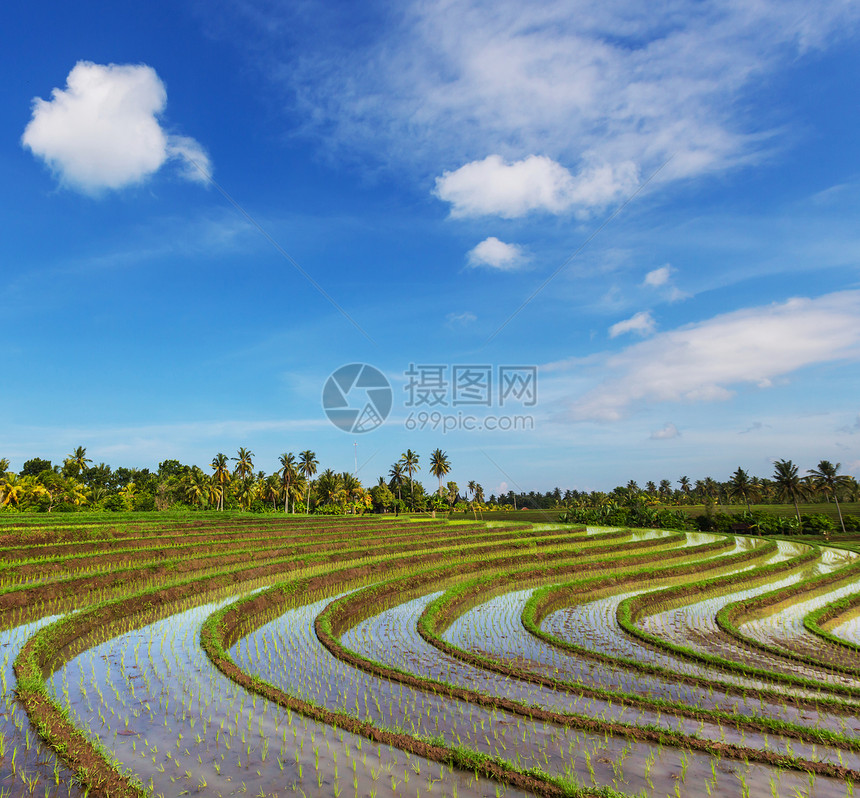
x,y
684,482
827,479
197,487
470,486
351,489
788,483
739,485
247,492
396,475
79,459
308,466
439,466
270,490
329,487
410,463
288,473
221,477
12,488
244,463
4,465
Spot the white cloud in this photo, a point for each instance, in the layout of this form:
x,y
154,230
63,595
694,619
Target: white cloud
x,y
461,319
102,131
493,187
665,433
704,361
658,277
497,255
449,81
641,323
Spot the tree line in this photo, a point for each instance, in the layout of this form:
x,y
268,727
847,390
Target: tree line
x,y
295,486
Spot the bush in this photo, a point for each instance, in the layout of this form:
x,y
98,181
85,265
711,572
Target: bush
x,y
818,523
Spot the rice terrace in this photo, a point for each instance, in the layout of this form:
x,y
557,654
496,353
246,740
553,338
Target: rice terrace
x,y
225,654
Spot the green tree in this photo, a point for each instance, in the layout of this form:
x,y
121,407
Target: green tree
x,y
34,467
381,496
788,483
329,488
196,487
828,480
287,472
79,459
244,463
308,465
410,464
440,466
396,476
220,477
739,485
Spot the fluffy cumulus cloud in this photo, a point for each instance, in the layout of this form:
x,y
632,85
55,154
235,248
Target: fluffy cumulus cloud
x,y
641,323
497,254
495,187
103,130
443,83
707,360
658,277
537,183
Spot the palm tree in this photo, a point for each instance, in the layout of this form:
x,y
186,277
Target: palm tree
x,y
351,488
12,487
287,472
711,489
650,486
79,459
196,487
439,466
665,489
308,465
410,463
788,483
329,487
247,493
470,486
739,485
684,482
828,480
396,474
244,463
4,465
271,490
221,477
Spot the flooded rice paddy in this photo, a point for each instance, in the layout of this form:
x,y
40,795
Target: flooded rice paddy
x,y
393,657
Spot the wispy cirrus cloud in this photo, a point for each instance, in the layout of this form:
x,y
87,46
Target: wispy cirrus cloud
x,y
442,84
707,360
641,323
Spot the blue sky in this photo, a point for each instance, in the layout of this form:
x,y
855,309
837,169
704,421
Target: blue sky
x,y
210,207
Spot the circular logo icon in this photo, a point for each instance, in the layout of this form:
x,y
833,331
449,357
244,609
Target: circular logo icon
x,y
357,398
